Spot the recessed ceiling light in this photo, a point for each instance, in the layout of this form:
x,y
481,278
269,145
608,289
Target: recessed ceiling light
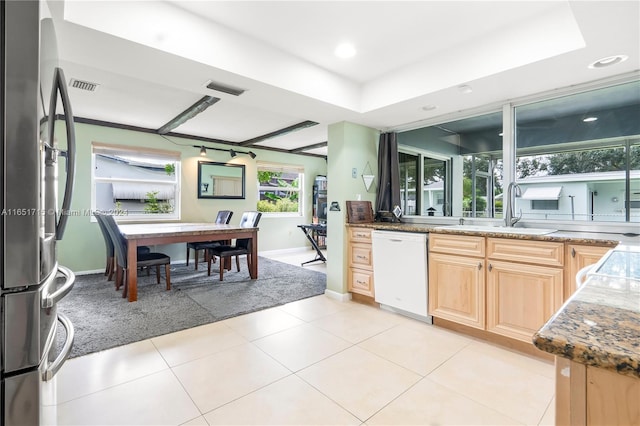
x,y
345,50
589,119
608,61
429,107
465,88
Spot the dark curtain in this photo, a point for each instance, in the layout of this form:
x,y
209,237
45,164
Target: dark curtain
x,y
388,194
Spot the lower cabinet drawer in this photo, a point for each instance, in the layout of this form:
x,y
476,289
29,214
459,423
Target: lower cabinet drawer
x,y
360,256
361,281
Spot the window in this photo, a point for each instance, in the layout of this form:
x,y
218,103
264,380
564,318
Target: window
x,y
423,184
136,183
544,205
460,175
588,143
280,188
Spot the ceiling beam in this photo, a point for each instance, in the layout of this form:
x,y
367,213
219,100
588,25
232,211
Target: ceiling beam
x,y
283,131
113,125
308,147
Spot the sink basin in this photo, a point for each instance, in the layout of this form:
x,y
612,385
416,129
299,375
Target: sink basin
x,y
500,229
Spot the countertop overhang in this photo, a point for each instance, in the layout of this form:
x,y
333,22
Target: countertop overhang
x,y
600,323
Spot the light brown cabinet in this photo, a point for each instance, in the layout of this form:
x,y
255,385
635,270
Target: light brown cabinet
x,y
577,257
587,395
456,282
524,285
360,271
508,287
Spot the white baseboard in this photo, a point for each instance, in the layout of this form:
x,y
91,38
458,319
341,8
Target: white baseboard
x,y
93,271
341,297
284,251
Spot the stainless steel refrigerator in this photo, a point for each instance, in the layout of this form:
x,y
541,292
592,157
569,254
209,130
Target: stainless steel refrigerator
x,y
33,94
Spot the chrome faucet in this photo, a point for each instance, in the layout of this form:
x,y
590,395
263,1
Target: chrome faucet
x,y
513,191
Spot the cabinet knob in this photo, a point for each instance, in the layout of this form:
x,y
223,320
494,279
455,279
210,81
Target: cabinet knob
x,y
490,267
573,252
479,265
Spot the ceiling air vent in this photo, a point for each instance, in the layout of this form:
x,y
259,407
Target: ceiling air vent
x,y
83,85
218,87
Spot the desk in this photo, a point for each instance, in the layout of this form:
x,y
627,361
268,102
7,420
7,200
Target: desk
x,y
170,233
308,229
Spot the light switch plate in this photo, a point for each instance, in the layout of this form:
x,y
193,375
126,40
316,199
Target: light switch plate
x,y
354,173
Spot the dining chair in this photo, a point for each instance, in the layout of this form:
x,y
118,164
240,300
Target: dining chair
x,y
145,260
242,247
223,217
109,269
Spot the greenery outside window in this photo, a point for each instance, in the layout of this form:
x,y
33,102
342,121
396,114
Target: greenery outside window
x,y
280,188
462,173
135,183
424,183
587,143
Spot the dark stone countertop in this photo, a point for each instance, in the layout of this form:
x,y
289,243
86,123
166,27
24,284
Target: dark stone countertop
x,y
573,237
600,324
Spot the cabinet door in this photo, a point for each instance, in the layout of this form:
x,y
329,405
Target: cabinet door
x,y
579,256
521,298
456,289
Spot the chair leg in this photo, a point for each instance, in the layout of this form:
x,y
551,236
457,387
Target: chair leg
x,y
157,274
221,268
249,263
125,291
208,263
195,257
187,255
118,277
238,263
167,273
112,267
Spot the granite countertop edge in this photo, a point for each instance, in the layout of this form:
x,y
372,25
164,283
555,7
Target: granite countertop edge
x,y
571,333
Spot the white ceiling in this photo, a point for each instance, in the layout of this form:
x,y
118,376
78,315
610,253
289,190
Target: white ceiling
x,y
153,60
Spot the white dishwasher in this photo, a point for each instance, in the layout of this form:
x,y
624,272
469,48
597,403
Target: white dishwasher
x,y
400,275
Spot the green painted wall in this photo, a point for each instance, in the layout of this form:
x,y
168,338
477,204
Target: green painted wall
x,y
350,146
82,248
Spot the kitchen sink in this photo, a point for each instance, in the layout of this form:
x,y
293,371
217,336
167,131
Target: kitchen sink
x,y
500,229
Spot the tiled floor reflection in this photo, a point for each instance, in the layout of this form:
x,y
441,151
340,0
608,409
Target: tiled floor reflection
x,y
312,362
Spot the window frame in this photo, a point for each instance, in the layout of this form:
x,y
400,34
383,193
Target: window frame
x,y
509,144
421,154
282,168
123,215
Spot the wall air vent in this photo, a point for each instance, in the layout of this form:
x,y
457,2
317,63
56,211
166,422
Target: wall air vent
x,y
83,85
224,89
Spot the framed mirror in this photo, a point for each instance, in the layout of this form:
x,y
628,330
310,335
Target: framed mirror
x,y
220,180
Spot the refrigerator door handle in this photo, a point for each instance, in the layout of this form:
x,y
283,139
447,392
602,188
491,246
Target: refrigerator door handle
x,y
59,85
50,299
53,368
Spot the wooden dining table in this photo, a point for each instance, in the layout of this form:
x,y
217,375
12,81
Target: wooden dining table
x,y
146,234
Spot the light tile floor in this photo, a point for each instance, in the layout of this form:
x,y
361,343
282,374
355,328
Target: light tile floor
x,y
312,362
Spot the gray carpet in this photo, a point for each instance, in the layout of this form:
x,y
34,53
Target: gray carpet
x,y
103,319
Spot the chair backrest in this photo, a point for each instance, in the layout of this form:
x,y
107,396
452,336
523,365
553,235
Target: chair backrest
x,y
248,220
105,233
119,242
224,217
